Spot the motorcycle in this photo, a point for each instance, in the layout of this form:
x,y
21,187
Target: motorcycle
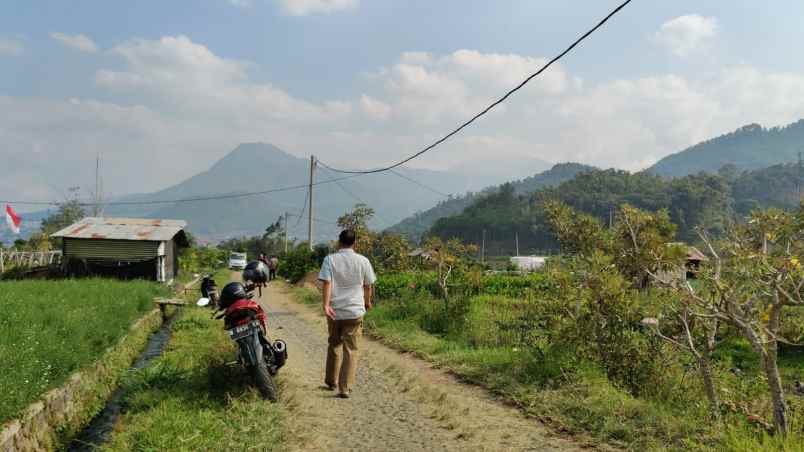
x,y
245,322
209,291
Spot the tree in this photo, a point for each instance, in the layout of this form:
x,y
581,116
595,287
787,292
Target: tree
x,y
450,258
357,220
752,277
67,213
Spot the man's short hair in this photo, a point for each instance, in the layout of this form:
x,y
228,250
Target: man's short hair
x,y
347,237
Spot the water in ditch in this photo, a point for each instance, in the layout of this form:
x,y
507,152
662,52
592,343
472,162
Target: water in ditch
x,y
98,430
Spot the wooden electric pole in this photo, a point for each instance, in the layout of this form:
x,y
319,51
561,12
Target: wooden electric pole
x,y
286,231
483,248
798,178
310,206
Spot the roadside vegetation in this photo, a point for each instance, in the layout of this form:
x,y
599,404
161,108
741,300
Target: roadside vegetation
x,y
610,339
51,329
189,398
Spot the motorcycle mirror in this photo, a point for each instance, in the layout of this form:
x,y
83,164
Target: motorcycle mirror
x,y
202,302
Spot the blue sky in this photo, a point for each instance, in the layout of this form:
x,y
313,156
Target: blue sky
x,y
166,88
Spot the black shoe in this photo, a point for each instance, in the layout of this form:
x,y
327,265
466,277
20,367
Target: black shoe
x,y
343,395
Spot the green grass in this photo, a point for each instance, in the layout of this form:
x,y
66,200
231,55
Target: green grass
x,y
190,400
480,340
51,329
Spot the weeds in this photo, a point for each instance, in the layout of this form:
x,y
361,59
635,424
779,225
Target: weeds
x,y
189,399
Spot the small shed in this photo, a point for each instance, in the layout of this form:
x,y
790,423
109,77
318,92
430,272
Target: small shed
x,y
126,248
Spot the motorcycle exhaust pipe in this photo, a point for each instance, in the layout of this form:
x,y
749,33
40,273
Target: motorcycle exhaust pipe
x,y
280,352
280,347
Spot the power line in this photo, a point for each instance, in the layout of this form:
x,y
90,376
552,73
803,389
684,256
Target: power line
x,y
175,201
420,184
494,104
358,199
304,208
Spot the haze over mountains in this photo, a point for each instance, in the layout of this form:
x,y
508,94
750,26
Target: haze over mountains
x,y
401,205
748,148
258,166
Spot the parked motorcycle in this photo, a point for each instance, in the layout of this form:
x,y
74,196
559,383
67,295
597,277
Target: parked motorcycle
x,y
209,290
245,321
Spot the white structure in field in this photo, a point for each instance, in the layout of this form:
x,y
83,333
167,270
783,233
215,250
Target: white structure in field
x,y
528,263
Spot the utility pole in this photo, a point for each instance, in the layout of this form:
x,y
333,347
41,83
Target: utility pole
x,y
310,206
483,248
97,210
286,231
798,179
517,244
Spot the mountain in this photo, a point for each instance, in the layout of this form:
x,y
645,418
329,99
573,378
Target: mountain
x,y
706,200
416,225
747,148
258,166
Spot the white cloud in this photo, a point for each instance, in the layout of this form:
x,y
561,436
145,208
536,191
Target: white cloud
x,y
11,47
180,106
686,34
79,42
374,108
305,7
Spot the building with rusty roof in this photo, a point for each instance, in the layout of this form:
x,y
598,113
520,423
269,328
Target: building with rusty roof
x,y
126,248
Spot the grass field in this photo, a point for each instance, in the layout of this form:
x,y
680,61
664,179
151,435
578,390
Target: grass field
x,y
51,329
189,399
488,347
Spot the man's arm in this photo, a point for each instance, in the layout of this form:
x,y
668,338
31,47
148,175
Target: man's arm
x,y
325,276
368,295
327,299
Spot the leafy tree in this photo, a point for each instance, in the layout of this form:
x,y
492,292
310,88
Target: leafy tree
x,y
450,259
357,220
752,277
67,213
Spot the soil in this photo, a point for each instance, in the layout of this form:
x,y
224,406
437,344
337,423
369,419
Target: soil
x,y
400,403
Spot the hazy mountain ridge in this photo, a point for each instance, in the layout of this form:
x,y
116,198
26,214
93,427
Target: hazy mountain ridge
x,y
416,225
747,148
703,200
253,167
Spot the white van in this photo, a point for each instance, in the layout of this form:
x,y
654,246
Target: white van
x,y
237,261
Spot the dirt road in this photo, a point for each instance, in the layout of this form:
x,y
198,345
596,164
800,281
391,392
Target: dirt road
x,y
399,403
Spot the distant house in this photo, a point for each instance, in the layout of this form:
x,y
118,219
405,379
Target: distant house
x,y
126,248
692,264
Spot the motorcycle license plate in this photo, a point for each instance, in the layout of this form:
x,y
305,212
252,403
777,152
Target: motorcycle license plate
x,y
244,330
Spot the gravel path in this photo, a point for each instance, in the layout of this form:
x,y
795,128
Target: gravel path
x,y
399,402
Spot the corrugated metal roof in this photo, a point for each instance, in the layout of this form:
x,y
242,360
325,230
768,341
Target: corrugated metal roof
x,y
124,229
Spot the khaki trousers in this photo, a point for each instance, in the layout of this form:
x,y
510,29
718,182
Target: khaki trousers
x,y
343,340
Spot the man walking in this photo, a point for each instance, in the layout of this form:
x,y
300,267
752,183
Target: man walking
x,y
348,281
273,266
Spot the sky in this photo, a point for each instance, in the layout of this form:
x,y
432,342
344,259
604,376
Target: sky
x,y
161,90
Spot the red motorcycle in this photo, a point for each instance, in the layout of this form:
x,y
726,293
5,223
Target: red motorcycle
x,y
245,320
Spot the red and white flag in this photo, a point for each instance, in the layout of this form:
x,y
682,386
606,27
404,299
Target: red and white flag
x,y
13,220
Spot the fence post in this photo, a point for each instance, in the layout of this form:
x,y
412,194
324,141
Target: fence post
x,y
2,261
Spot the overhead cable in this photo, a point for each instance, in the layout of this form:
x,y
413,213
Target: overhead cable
x,y
490,107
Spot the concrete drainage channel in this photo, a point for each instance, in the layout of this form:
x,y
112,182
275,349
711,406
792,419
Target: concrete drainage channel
x,y
98,430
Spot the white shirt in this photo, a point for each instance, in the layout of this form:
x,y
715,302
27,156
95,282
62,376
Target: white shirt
x,y
348,272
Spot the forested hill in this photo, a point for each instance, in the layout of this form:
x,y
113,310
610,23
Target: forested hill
x,y
415,226
748,148
708,200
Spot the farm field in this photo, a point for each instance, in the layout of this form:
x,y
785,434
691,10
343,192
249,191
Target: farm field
x,y
504,337
54,328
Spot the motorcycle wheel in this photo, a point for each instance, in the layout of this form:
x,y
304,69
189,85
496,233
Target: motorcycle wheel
x,y
265,383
